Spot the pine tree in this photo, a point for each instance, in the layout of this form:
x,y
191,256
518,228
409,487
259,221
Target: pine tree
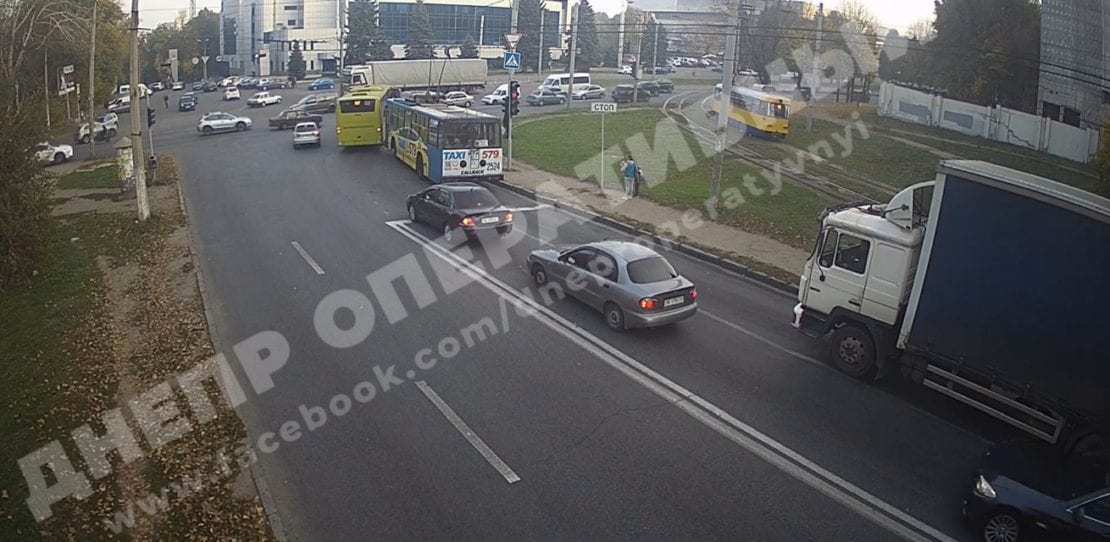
x,y
653,54
420,33
365,39
468,49
296,62
589,49
528,21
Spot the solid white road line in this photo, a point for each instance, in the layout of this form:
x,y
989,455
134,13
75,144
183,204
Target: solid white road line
x,y
470,436
312,263
537,207
759,444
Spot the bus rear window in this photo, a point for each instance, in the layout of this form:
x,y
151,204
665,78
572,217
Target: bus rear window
x,y
357,106
470,134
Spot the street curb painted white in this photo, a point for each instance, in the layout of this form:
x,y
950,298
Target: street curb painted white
x,y
260,485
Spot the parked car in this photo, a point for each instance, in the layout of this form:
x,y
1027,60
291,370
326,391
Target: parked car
x,y
322,83
317,103
624,69
666,86
458,98
211,86
1030,490
589,93
291,117
157,86
198,86
424,96
231,93
222,122
651,87
544,96
106,124
247,82
53,154
460,208
306,133
632,285
273,82
498,96
187,102
624,94
178,85
262,99
665,68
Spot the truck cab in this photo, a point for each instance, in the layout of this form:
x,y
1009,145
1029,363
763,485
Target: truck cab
x,y
860,275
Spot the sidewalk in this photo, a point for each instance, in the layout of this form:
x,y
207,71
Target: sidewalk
x,y
720,239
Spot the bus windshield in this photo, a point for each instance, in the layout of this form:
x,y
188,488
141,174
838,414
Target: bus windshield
x,y
470,134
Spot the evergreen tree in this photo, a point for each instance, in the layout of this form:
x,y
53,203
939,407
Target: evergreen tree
x,y
589,49
365,39
419,45
528,21
468,49
296,62
654,48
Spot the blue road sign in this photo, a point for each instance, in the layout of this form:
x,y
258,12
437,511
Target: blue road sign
x,y
512,60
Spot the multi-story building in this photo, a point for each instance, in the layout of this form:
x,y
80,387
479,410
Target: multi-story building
x,y
257,36
1075,61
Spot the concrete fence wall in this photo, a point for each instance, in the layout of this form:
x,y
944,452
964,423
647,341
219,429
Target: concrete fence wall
x,y
994,123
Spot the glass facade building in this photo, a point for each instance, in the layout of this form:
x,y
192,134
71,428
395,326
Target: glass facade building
x,y
453,23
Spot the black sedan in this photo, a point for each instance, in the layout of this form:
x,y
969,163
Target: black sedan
x,y
187,102
1031,491
455,208
666,86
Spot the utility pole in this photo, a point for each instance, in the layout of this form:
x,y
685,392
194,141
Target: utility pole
x,y
46,83
573,50
724,107
204,58
815,77
481,31
620,37
92,83
539,54
139,161
655,51
509,125
636,71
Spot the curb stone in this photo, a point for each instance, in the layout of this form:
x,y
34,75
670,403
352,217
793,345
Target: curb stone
x,y
685,248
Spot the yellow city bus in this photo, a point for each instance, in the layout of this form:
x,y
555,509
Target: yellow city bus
x,y
757,113
358,116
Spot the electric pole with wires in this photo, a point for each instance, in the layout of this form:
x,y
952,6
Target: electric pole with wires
x,y
724,108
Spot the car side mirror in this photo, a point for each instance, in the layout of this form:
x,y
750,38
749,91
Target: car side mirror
x,y
1077,514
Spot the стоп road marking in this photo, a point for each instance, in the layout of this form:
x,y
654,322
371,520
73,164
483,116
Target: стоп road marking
x,y
470,436
312,263
752,440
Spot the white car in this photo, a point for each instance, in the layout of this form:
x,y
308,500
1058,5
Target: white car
x,y
231,93
108,121
223,122
53,154
156,86
262,99
497,97
624,70
458,98
306,133
178,85
591,92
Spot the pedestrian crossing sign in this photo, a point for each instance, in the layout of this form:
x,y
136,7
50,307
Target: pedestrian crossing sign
x,y
512,60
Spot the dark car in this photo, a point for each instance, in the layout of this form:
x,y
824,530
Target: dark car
x,y
292,117
198,86
187,102
666,86
322,83
1030,490
316,103
456,208
624,93
544,96
666,68
651,87
248,82
211,86
273,82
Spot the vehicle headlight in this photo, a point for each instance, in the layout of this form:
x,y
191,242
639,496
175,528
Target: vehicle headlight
x,y
983,488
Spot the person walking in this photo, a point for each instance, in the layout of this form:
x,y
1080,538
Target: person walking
x,y
630,169
166,100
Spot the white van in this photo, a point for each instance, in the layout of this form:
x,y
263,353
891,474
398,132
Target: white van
x,y
561,82
498,96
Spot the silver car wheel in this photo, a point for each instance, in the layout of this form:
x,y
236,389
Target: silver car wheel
x,y
412,213
448,233
1001,527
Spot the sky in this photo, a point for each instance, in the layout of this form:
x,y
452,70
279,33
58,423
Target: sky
x,y
897,14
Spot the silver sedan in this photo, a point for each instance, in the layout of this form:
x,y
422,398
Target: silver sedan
x,y
632,285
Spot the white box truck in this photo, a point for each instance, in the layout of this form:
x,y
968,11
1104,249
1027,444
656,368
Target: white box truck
x,y
441,74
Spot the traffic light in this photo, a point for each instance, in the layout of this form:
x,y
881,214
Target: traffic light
x,y
514,98
149,117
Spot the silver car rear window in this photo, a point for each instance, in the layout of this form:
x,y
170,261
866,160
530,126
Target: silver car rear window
x,y
651,269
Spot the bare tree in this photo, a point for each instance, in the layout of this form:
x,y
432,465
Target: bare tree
x,y
922,29
27,25
856,11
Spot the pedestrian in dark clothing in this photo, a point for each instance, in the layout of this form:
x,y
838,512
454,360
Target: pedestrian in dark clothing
x,y
166,99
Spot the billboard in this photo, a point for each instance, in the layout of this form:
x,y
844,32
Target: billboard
x,y
66,80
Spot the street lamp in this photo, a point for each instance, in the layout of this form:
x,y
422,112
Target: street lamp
x,y
204,56
620,32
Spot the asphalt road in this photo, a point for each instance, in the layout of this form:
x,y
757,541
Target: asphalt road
x,y
721,427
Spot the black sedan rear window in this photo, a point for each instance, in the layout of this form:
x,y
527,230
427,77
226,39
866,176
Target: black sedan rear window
x,y
653,269
475,199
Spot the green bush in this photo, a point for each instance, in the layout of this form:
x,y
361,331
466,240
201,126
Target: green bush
x,y
24,191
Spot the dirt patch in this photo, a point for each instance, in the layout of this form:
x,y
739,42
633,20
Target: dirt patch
x,y
111,200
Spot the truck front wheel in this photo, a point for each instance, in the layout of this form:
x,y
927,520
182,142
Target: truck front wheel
x,y
853,351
